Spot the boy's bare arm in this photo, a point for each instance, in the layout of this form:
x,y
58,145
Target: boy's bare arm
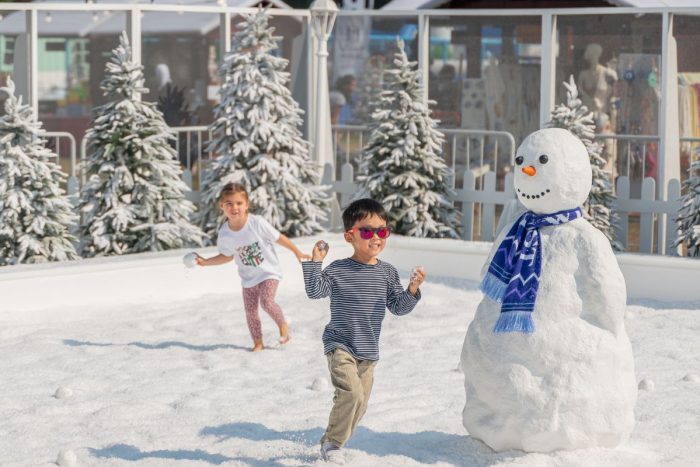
x,y
214,260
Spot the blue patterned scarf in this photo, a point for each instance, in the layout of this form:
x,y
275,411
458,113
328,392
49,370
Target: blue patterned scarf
x,y
514,273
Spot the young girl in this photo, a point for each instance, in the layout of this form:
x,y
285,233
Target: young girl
x,y
249,239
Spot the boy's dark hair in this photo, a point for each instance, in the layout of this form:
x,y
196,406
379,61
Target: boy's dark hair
x,y
361,209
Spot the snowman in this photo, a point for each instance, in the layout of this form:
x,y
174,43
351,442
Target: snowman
x,y
547,362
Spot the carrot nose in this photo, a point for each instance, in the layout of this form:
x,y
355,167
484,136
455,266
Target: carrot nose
x,y
529,170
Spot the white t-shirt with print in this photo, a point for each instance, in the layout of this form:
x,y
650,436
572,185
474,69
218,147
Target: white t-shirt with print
x,y
253,249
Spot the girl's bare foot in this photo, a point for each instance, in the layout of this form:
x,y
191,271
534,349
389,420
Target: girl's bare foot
x,y
257,347
284,334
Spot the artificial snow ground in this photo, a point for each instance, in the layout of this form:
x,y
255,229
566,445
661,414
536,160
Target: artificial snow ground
x,y
172,383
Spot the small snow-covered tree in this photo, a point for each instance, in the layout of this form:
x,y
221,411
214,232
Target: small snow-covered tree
x,y
575,117
257,138
689,214
401,165
134,199
35,214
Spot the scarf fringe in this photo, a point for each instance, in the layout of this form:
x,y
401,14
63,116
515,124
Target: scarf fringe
x,y
515,321
493,287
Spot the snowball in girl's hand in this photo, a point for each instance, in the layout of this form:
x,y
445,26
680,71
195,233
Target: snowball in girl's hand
x,y
322,245
190,260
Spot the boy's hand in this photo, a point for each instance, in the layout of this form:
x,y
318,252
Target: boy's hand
x,y
417,278
200,261
320,251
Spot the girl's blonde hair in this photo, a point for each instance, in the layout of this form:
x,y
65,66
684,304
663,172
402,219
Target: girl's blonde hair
x,y
232,189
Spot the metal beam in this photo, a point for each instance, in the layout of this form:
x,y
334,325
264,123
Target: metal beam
x,y
669,147
548,67
33,61
424,52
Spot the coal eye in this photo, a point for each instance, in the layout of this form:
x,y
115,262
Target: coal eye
x,y
519,160
544,159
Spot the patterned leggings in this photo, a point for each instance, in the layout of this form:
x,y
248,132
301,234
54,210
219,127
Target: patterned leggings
x,y
264,293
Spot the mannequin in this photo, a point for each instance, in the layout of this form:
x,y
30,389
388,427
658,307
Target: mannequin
x,y
596,85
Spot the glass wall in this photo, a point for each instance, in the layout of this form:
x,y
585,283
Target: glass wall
x,y
485,72
615,61
686,30
291,32
13,41
73,49
360,49
180,56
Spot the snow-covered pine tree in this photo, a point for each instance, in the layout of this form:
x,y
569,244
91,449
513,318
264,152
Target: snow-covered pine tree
x,y
257,138
35,214
133,200
401,165
689,213
575,117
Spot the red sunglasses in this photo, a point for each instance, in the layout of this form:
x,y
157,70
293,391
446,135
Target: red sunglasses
x,y
368,232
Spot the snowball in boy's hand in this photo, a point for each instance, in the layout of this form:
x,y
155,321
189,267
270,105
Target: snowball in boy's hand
x,y
415,273
67,458
63,393
190,260
320,250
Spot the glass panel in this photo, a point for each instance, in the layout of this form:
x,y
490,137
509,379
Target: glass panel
x,y
484,76
12,59
686,30
485,72
360,48
73,49
180,55
616,61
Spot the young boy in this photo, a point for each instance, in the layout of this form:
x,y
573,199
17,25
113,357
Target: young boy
x,y
361,289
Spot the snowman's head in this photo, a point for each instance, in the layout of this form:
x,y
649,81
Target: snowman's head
x,y
552,171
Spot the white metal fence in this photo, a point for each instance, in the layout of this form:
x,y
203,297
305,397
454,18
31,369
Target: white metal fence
x,y
480,193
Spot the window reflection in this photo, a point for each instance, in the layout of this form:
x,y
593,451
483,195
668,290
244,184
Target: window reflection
x,y
687,33
616,63
12,26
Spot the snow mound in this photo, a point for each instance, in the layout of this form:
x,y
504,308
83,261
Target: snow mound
x,y
63,393
691,378
67,458
319,384
646,384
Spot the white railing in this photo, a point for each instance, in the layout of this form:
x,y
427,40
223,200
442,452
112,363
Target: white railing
x,y
55,140
629,155
478,150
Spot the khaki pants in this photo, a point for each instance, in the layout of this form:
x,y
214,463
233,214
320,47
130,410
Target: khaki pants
x,y
352,379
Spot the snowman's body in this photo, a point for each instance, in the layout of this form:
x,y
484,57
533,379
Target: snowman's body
x,y
570,383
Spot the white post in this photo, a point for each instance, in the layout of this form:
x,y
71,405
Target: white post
x,y
33,62
225,33
323,13
133,31
669,145
548,68
424,52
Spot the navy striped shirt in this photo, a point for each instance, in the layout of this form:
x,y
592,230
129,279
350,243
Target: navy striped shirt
x,y
360,294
